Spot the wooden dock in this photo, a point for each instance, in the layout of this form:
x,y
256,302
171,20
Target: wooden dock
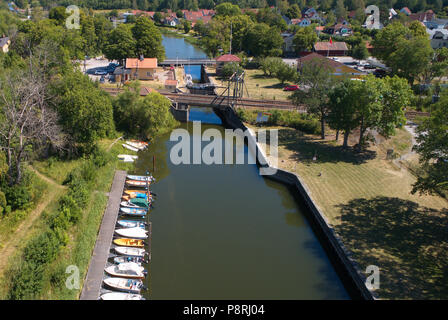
x,y
94,278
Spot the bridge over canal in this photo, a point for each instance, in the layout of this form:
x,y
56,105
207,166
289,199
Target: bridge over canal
x,y
193,61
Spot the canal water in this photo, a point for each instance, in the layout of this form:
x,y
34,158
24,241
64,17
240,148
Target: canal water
x,y
225,232
178,48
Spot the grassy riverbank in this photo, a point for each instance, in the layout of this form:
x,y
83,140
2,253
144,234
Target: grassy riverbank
x,y
80,236
189,37
367,199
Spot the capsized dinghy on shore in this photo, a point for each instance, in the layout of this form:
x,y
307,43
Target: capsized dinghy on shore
x,y
125,145
134,233
121,296
130,251
123,284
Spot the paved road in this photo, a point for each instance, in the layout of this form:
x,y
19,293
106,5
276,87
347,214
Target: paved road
x,y
94,278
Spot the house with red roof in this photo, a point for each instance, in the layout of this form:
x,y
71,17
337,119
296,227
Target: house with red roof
x,y
333,48
406,11
223,60
423,16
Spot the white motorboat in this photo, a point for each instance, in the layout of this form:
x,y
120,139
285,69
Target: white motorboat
x,y
134,233
121,296
126,270
129,251
123,284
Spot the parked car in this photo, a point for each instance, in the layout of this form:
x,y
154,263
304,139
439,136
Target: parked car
x,y
380,73
369,66
100,72
293,87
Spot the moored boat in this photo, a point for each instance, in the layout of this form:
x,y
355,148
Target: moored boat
x,y
125,259
129,270
136,183
140,202
129,204
131,224
137,144
140,178
137,212
121,296
123,284
130,251
134,233
138,243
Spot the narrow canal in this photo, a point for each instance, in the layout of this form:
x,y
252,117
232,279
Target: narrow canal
x,y
225,232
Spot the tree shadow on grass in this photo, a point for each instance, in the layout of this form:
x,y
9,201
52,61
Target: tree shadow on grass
x,y
408,243
305,147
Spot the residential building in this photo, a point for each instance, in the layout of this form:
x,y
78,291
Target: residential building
x,y
338,69
288,44
224,59
423,16
4,44
438,37
339,29
331,49
302,22
171,20
141,69
406,11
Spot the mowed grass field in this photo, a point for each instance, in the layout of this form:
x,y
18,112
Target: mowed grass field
x,y
258,86
368,201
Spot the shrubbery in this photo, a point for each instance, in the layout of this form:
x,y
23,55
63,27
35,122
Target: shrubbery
x,y
27,280
299,121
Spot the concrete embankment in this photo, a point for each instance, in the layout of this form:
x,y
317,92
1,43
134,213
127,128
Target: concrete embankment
x,y
351,274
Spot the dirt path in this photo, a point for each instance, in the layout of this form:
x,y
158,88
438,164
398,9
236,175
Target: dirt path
x,y
20,233
112,144
47,179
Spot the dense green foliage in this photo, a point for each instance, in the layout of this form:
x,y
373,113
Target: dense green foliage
x,y
143,117
432,146
296,120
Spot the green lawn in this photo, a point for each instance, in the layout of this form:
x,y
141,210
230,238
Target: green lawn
x,y
259,86
368,201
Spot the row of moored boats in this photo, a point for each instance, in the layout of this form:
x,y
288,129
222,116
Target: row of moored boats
x,y
125,271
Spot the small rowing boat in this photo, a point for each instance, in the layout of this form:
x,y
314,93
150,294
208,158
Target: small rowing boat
x,y
126,270
138,243
135,212
134,233
123,284
130,251
141,178
136,183
125,145
125,259
131,224
137,144
130,204
121,296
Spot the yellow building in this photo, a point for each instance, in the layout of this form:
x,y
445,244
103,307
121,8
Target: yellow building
x,y
140,69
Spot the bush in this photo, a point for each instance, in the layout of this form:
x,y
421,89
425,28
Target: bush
x,y
230,68
18,197
100,157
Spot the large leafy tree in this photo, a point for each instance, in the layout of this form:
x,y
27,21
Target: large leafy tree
x,y
262,40
432,146
120,43
304,39
148,39
342,108
85,111
316,80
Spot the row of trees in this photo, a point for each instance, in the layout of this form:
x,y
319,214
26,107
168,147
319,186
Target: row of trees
x,y
347,105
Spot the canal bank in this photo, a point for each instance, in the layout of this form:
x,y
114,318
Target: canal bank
x,y
350,272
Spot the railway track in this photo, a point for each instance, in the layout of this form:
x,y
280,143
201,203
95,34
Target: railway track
x,y
221,101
